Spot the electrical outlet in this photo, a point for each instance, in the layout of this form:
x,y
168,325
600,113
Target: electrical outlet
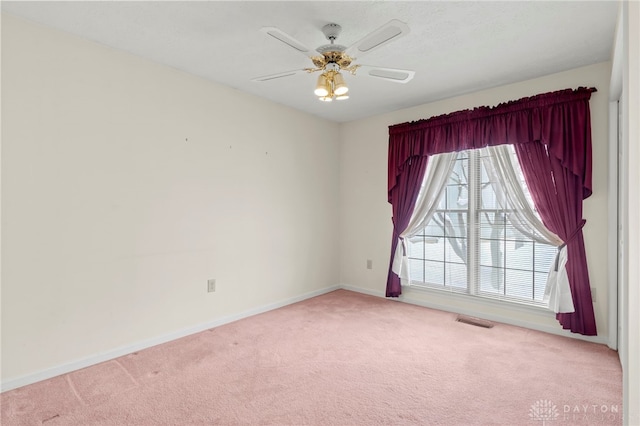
x,y
369,264
211,285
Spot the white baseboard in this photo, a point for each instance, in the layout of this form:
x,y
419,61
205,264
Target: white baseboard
x,y
364,291
491,317
125,350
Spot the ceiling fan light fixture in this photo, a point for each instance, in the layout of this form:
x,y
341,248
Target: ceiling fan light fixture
x,y
322,87
325,98
339,85
342,97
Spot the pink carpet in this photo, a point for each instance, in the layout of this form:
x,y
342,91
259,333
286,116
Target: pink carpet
x,y
339,359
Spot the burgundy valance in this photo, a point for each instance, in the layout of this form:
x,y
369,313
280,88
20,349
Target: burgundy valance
x,y
544,118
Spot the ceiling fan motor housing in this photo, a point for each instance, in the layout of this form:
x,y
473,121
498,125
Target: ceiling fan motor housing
x,y
331,31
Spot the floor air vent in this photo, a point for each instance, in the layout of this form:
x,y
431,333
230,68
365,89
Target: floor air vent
x,y
474,321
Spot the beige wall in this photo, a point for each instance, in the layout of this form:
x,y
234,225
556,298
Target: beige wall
x,y
127,184
366,215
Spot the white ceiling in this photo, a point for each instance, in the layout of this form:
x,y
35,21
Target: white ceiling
x,y
454,47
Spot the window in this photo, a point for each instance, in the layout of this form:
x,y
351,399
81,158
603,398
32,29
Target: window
x,y
472,246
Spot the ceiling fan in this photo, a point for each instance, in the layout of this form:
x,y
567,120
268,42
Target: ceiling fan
x,y
335,58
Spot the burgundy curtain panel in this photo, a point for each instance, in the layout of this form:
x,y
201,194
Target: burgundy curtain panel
x,y
403,200
551,133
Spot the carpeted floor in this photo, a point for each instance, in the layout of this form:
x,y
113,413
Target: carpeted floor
x,y
339,359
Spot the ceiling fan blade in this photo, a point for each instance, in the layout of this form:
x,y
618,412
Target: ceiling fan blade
x,y
387,33
285,38
279,75
389,74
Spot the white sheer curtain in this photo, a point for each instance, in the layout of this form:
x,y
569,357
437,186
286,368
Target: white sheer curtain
x,y
511,196
436,176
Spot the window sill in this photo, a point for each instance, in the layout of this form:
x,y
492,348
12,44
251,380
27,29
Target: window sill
x,y
481,301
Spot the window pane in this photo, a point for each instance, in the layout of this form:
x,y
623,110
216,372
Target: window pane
x,y
416,268
457,187
442,204
434,248
512,233
539,285
435,228
545,256
457,197
488,198
491,279
434,273
454,223
519,284
456,275
456,250
491,253
484,177
487,184
519,255
491,225
416,247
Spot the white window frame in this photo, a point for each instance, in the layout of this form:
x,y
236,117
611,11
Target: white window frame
x,y
473,231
